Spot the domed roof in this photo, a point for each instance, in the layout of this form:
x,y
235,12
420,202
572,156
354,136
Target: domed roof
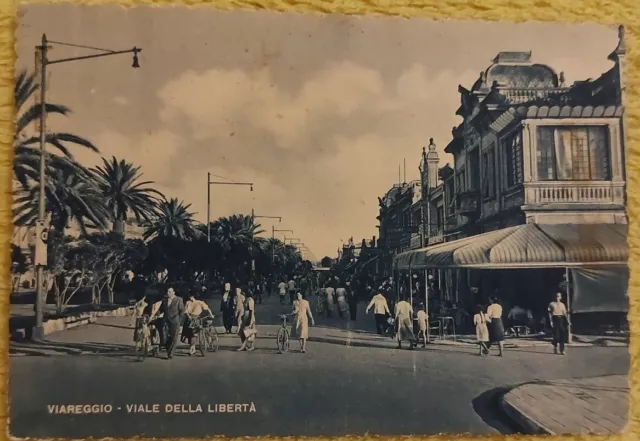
x,y
514,69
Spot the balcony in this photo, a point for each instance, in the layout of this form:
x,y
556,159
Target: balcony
x,y
436,236
469,203
575,192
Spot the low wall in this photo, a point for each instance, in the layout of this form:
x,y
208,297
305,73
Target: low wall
x,y
56,325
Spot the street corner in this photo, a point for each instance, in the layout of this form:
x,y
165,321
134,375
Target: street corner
x,y
510,405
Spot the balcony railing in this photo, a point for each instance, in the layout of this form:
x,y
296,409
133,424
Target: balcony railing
x,y
517,95
574,192
436,236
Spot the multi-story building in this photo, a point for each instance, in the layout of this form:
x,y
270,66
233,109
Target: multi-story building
x,y
529,150
399,221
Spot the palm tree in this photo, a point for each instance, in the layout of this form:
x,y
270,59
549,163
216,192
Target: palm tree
x,y
27,150
120,182
173,220
69,197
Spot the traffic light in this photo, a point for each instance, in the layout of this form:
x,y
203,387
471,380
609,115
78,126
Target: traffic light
x,y
42,234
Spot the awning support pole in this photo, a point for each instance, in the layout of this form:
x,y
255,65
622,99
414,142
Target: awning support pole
x,y
426,301
410,288
570,336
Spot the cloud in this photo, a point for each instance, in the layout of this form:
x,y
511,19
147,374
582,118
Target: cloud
x,y
319,155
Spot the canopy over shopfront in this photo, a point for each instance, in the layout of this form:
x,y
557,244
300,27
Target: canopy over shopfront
x,y
527,246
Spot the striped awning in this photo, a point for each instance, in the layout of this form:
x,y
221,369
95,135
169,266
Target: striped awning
x,y
527,246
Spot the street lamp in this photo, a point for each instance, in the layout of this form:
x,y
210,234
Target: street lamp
x,y
253,215
291,238
209,184
274,230
40,253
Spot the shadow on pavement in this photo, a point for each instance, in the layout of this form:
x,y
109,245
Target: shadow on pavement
x,y
487,406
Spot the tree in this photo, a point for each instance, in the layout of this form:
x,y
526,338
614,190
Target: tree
x,y
69,197
26,148
125,192
66,265
173,220
18,266
107,256
237,239
326,262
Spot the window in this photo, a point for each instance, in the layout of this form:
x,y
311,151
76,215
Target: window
x,y
462,180
440,217
474,169
450,195
513,152
489,175
573,154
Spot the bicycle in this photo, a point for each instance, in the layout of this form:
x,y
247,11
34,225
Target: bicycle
x,y
144,339
212,341
283,336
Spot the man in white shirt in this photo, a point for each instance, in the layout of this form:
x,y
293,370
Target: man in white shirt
x,y
292,290
282,287
380,310
193,309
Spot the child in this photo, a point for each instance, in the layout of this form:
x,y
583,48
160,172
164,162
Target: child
x,y
482,332
422,325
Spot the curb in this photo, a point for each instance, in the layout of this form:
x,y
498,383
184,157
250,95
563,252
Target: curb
x,y
528,425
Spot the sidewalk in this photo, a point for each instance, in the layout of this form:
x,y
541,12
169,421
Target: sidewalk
x,y
597,405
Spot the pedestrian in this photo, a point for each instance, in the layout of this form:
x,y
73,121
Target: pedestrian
x,y
193,309
227,308
292,289
330,300
138,320
302,311
282,287
559,319
352,300
380,310
482,332
239,306
403,318
495,325
247,330
422,325
173,310
341,294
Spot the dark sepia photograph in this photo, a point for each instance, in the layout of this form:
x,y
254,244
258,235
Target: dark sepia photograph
x,y
253,223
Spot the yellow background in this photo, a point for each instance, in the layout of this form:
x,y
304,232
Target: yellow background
x,y
614,12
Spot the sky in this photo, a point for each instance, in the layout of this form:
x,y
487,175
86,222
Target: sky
x,y
318,111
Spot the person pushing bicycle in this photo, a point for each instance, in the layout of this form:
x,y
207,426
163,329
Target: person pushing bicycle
x,y
193,309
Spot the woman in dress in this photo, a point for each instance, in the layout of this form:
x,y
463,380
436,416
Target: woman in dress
x,y
404,323
495,325
302,310
558,317
138,318
330,292
341,294
482,332
226,307
248,329
239,307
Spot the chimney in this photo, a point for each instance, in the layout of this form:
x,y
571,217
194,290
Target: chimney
x,y
432,161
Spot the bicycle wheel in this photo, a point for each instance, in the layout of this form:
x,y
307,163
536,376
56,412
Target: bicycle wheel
x,y
213,341
283,340
141,349
202,342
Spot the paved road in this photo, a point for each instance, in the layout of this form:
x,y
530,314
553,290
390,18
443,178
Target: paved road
x,y
332,390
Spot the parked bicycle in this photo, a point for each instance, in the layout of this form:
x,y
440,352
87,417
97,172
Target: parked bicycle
x,y
283,335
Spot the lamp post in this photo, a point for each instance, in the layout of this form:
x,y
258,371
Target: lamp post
x,y
209,184
40,252
253,215
274,230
